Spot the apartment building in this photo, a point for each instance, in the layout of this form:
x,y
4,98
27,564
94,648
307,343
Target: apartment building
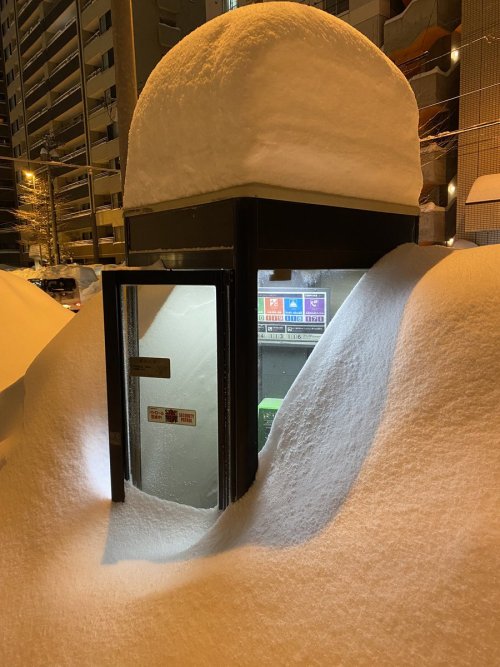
x,y
63,99
479,150
424,41
9,239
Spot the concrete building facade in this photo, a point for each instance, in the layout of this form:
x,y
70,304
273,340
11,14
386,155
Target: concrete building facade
x,y
424,41
479,150
62,85
9,239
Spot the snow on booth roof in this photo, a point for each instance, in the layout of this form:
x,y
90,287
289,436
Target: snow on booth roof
x,y
277,95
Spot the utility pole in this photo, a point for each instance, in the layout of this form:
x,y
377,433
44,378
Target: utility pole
x,y
48,152
125,72
88,146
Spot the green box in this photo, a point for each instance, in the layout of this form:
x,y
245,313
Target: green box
x,y
267,410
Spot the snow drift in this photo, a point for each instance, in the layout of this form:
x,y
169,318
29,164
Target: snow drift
x,y
400,569
278,94
30,319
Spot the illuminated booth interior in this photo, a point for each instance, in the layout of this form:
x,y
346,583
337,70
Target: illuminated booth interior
x,y
243,279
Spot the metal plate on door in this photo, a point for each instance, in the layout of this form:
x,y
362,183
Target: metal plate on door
x,y
149,367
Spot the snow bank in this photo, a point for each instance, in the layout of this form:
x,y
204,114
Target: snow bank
x,y
399,571
84,275
280,94
30,319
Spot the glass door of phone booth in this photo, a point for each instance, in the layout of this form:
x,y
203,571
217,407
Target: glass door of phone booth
x,y
171,345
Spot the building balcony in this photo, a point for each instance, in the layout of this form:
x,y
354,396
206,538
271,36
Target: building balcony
x,y
168,35
56,12
70,131
106,184
437,224
75,220
27,11
77,157
39,120
419,26
7,195
6,173
99,81
7,218
439,165
62,40
98,44
107,248
31,36
36,92
78,189
33,64
64,69
434,87
67,101
4,131
101,116
92,11
103,151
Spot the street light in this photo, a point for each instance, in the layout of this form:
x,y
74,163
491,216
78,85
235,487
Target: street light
x,y
30,176
48,152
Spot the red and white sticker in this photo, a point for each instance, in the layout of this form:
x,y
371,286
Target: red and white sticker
x,y
172,416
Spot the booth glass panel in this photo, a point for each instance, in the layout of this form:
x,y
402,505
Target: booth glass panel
x,y
170,347
293,312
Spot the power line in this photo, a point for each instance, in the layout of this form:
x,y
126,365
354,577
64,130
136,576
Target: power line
x,y
462,154
428,106
447,53
55,163
451,133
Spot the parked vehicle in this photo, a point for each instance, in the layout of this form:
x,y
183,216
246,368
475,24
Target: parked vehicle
x,y
64,290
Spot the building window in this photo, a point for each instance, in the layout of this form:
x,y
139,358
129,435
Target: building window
x,y
12,102
112,131
169,19
105,22
119,234
8,51
10,76
110,94
17,150
108,59
337,7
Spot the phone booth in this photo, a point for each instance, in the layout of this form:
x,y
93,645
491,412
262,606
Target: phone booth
x,y
183,345
238,283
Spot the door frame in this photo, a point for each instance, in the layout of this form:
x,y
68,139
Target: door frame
x,y
116,380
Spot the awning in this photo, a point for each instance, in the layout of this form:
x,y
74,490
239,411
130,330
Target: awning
x,y
482,210
485,189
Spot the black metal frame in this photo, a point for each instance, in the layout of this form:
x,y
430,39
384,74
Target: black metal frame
x,y
112,282
246,234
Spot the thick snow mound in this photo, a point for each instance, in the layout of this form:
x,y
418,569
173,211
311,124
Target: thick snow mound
x,y
30,319
280,94
401,567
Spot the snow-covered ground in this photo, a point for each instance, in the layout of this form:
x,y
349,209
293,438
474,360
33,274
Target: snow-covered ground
x,y
370,536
